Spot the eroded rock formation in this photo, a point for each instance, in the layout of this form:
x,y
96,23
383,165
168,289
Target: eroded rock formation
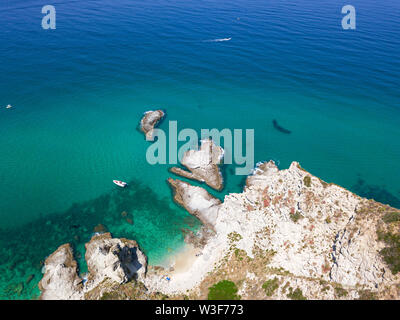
x,y
110,261
203,164
149,121
196,201
60,280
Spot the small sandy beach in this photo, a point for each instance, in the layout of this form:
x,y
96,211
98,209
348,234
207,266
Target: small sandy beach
x,y
188,269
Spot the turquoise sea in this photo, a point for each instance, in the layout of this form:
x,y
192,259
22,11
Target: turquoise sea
x,y
78,93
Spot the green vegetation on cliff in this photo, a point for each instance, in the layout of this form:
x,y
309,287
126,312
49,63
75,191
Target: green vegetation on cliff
x,y
391,217
391,254
296,294
270,286
296,216
307,181
390,235
223,290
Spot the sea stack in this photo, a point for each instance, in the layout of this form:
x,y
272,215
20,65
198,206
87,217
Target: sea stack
x,y
149,121
203,164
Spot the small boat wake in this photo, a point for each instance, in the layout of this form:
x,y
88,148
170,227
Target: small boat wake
x,y
218,40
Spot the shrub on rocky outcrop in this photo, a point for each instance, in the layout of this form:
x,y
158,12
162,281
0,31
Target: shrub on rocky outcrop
x,y
340,292
296,216
270,286
223,290
307,181
391,254
296,294
391,217
366,295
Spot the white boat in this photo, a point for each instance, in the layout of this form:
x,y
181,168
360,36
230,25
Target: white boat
x,y
120,183
9,106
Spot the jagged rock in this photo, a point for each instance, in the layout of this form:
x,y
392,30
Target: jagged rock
x,y
29,278
60,280
203,164
196,201
111,261
149,121
117,259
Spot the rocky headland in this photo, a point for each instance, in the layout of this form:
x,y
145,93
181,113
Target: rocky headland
x,y
291,235
149,121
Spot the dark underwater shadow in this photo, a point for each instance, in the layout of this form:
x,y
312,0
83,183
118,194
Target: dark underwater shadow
x,y
280,128
242,183
377,193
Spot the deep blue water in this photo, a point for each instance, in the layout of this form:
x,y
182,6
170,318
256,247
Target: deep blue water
x,y
79,92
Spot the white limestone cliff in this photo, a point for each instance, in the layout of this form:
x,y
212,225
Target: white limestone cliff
x,y
318,233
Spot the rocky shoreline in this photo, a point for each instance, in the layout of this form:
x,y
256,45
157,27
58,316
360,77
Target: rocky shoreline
x,y
288,235
298,231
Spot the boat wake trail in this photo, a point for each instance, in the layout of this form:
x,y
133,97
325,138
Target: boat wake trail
x,y
218,40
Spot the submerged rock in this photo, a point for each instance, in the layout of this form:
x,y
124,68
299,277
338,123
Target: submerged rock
x,y
14,289
149,121
203,164
30,278
100,228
